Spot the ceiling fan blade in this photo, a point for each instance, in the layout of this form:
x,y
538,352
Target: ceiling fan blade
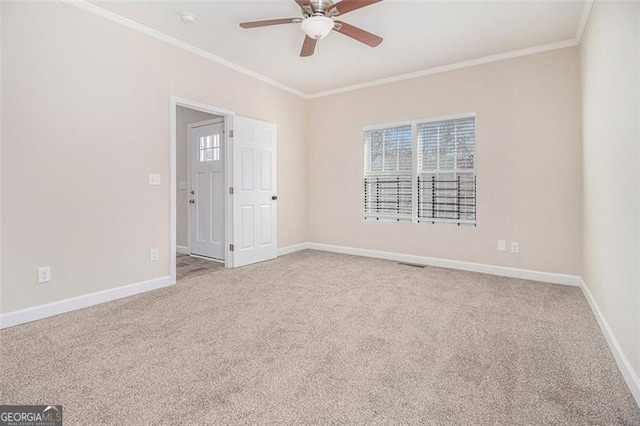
x,y
309,46
305,5
346,6
358,34
269,22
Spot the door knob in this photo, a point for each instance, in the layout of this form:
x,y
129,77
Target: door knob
x,y
192,201
274,197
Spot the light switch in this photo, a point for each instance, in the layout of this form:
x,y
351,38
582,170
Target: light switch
x,y
154,179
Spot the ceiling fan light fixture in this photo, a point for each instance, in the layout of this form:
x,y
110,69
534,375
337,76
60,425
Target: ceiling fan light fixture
x,y
317,27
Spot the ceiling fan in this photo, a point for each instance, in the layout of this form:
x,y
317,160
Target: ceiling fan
x,y
319,19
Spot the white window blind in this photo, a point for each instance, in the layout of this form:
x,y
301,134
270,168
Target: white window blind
x,y
388,160
446,171
422,171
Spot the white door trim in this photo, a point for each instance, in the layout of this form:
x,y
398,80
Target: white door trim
x,y
174,103
189,127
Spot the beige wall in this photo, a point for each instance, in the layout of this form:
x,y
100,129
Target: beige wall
x,y
184,117
528,163
611,116
85,120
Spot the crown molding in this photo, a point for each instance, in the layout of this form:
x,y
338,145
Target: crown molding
x,y
84,5
584,17
459,65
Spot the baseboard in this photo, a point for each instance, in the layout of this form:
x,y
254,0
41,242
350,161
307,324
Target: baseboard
x,y
629,374
292,249
182,250
59,307
503,271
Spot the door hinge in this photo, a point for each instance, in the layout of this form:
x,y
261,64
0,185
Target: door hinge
x,y
230,133
231,248
231,190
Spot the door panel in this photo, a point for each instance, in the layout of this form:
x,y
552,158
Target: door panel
x,y
265,225
217,207
203,192
247,227
247,169
265,171
207,192
255,212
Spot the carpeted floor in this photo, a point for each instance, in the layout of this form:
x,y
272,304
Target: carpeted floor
x,y
320,338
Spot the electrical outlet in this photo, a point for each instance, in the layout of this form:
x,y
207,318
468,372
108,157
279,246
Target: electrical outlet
x,y
515,248
154,254
502,245
44,274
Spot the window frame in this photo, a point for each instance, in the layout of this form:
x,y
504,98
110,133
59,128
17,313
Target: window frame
x,y
414,169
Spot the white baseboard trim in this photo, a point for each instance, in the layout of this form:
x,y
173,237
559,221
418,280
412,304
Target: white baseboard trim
x,y
503,271
292,249
34,313
629,374
182,250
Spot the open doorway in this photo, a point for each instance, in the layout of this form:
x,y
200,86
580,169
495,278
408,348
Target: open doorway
x,y
249,198
201,197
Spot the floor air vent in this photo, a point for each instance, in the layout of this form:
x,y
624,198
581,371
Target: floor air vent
x,y
414,265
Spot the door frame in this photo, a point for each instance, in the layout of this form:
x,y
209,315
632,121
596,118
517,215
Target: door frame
x,y
174,103
191,126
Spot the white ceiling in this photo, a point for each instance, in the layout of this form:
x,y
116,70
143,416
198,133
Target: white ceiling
x,y
418,35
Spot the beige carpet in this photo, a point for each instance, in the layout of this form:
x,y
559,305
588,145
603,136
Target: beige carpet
x,y
319,338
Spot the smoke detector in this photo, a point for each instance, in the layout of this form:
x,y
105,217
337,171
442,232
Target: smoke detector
x,y
188,18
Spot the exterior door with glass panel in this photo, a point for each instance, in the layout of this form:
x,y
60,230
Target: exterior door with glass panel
x,y
206,192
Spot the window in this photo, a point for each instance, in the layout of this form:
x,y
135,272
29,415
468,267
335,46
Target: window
x,y
422,171
446,173
209,148
388,174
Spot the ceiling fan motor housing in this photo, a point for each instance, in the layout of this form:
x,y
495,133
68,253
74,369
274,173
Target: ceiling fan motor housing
x,y
316,7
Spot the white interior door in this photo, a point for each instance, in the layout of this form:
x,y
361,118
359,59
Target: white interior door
x,y
206,192
254,199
